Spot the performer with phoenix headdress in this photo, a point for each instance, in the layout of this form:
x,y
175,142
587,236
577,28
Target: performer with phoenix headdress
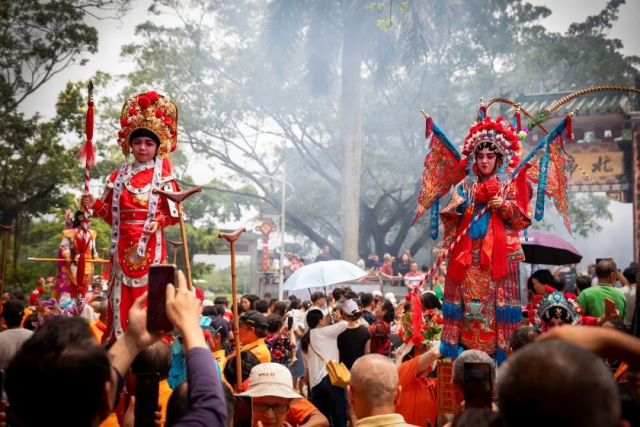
x,y
489,207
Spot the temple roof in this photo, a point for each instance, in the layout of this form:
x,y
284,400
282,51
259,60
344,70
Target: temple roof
x,y
599,103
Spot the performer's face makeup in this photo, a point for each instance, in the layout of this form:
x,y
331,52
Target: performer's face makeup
x,y
486,161
144,149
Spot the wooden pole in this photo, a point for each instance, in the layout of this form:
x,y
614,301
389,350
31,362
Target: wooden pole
x,y
231,238
185,249
97,261
175,245
5,229
178,197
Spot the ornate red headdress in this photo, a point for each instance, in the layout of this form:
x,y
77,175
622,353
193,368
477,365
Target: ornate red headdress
x,y
154,112
499,134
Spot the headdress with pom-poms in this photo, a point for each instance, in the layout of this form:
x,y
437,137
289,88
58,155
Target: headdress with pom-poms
x,y
500,135
556,306
153,112
159,115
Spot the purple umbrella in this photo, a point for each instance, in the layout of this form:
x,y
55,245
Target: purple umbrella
x,y
544,248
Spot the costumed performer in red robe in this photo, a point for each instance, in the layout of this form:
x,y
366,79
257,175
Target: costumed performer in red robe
x,y
482,291
149,124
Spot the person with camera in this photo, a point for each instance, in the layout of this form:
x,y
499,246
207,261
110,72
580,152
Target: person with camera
x,y
63,352
320,345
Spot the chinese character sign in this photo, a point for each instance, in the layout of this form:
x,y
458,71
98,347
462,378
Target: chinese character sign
x,y
266,228
446,401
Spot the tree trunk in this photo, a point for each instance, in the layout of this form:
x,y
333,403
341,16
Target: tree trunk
x,y
16,250
351,135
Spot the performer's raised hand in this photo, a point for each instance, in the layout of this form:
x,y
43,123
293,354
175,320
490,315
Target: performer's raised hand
x,y
153,227
87,201
495,202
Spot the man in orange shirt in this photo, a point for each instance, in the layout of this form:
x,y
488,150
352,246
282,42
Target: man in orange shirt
x,y
253,329
157,358
418,402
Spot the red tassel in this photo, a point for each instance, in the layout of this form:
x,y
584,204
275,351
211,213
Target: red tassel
x,y
569,129
428,127
105,275
518,121
522,190
87,154
416,319
79,287
494,248
461,253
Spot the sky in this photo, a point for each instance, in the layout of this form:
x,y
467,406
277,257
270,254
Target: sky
x,y
113,34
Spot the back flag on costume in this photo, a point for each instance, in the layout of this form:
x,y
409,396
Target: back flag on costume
x,y
444,167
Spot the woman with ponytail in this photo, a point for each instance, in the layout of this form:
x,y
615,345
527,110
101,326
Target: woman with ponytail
x,y
320,344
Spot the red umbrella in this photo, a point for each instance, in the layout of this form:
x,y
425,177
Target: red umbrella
x,y
545,248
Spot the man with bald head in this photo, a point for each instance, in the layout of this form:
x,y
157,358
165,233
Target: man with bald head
x,y
374,392
592,299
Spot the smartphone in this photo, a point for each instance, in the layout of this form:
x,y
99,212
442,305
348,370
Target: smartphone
x,y
146,399
290,322
242,412
160,275
609,307
478,387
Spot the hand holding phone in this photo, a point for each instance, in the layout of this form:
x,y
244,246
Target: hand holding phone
x,y
478,385
160,275
146,399
610,309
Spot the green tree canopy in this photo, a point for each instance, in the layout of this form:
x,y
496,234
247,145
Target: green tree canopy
x,y
260,92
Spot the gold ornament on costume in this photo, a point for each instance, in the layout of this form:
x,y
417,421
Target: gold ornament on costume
x,y
140,265
150,111
139,201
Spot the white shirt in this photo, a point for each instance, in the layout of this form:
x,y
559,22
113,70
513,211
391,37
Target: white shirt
x,y
325,342
299,320
10,342
630,295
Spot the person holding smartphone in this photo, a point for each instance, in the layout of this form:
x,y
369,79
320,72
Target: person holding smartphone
x,y
137,215
592,300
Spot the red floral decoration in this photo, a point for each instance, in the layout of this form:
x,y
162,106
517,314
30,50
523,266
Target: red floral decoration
x,y
153,96
144,102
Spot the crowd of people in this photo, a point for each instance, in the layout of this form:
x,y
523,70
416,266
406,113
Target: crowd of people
x,y
293,352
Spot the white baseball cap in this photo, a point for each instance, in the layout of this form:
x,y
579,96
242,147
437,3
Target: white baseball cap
x,y
391,297
349,307
271,379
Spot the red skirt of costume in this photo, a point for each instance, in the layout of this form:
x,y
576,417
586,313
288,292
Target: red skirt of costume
x,y
128,278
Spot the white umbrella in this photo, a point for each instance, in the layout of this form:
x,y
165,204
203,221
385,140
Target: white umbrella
x,y
324,273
